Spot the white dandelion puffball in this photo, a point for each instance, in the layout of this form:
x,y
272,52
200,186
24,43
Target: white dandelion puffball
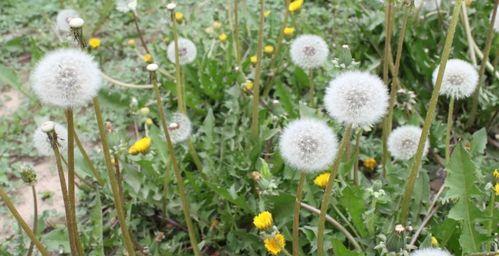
x,y
309,51
63,18
179,127
460,79
403,142
41,140
496,22
356,98
427,5
66,78
308,145
430,252
126,5
186,51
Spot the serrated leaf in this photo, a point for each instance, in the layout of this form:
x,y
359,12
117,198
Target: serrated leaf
x,y
352,199
479,142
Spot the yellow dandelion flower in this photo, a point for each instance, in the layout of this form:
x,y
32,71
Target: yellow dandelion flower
x,y
274,244
496,189
266,13
370,163
149,121
248,86
496,173
289,31
222,37
253,59
179,17
94,42
216,24
322,180
268,49
295,5
263,220
147,58
434,241
131,42
140,146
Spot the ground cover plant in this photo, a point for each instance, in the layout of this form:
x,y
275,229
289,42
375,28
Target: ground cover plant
x,y
249,127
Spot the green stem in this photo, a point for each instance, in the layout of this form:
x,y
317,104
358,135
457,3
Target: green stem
x,y
176,168
485,59
358,134
35,219
139,32
405,201
449,130
296,219
88,160
166,182
311,91
194,155
23,223
327,192
118,204
178,76
256,85
235,33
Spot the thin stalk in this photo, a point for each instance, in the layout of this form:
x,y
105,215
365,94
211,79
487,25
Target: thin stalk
x,y
296,219
119,177
166,182
176,168
71,177
23,223
35,219
194,155
449,130
405,201
139,32
280,39
235,33
386,60
258,71
118,203
64,191
358,134
469,37
87,159
178,77
311,91
327,192
485,59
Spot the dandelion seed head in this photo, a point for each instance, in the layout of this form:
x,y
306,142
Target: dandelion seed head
x,y
460,79
356,98
180,127
403,142
66,78
308,145
76,22
41,140
126,5
186,51
430,252
63,18
309,51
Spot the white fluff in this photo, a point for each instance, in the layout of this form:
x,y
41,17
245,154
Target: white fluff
x,y
309,51
460,79
308,145
66,78
186,50
41,140
496,22
63,18
356,98
430,252
403,142
126,5
427,5
182,131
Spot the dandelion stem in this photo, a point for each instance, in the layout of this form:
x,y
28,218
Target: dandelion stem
x,y
88,160
358,134
139,32
23,223
176,168
118,203
485,59
35,219
327,192
406,199
449,130
296,219
311,91
235,35
258,70
178,76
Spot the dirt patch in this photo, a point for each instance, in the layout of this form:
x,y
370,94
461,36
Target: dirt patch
x,y
9,102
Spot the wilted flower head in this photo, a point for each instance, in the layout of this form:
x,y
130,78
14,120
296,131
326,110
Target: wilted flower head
x,y
403,142
179,127
63,18
427,5
275,243
308,145
357,98
41,140
460,79
309,51
430,252
186,51
126,5
66,78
